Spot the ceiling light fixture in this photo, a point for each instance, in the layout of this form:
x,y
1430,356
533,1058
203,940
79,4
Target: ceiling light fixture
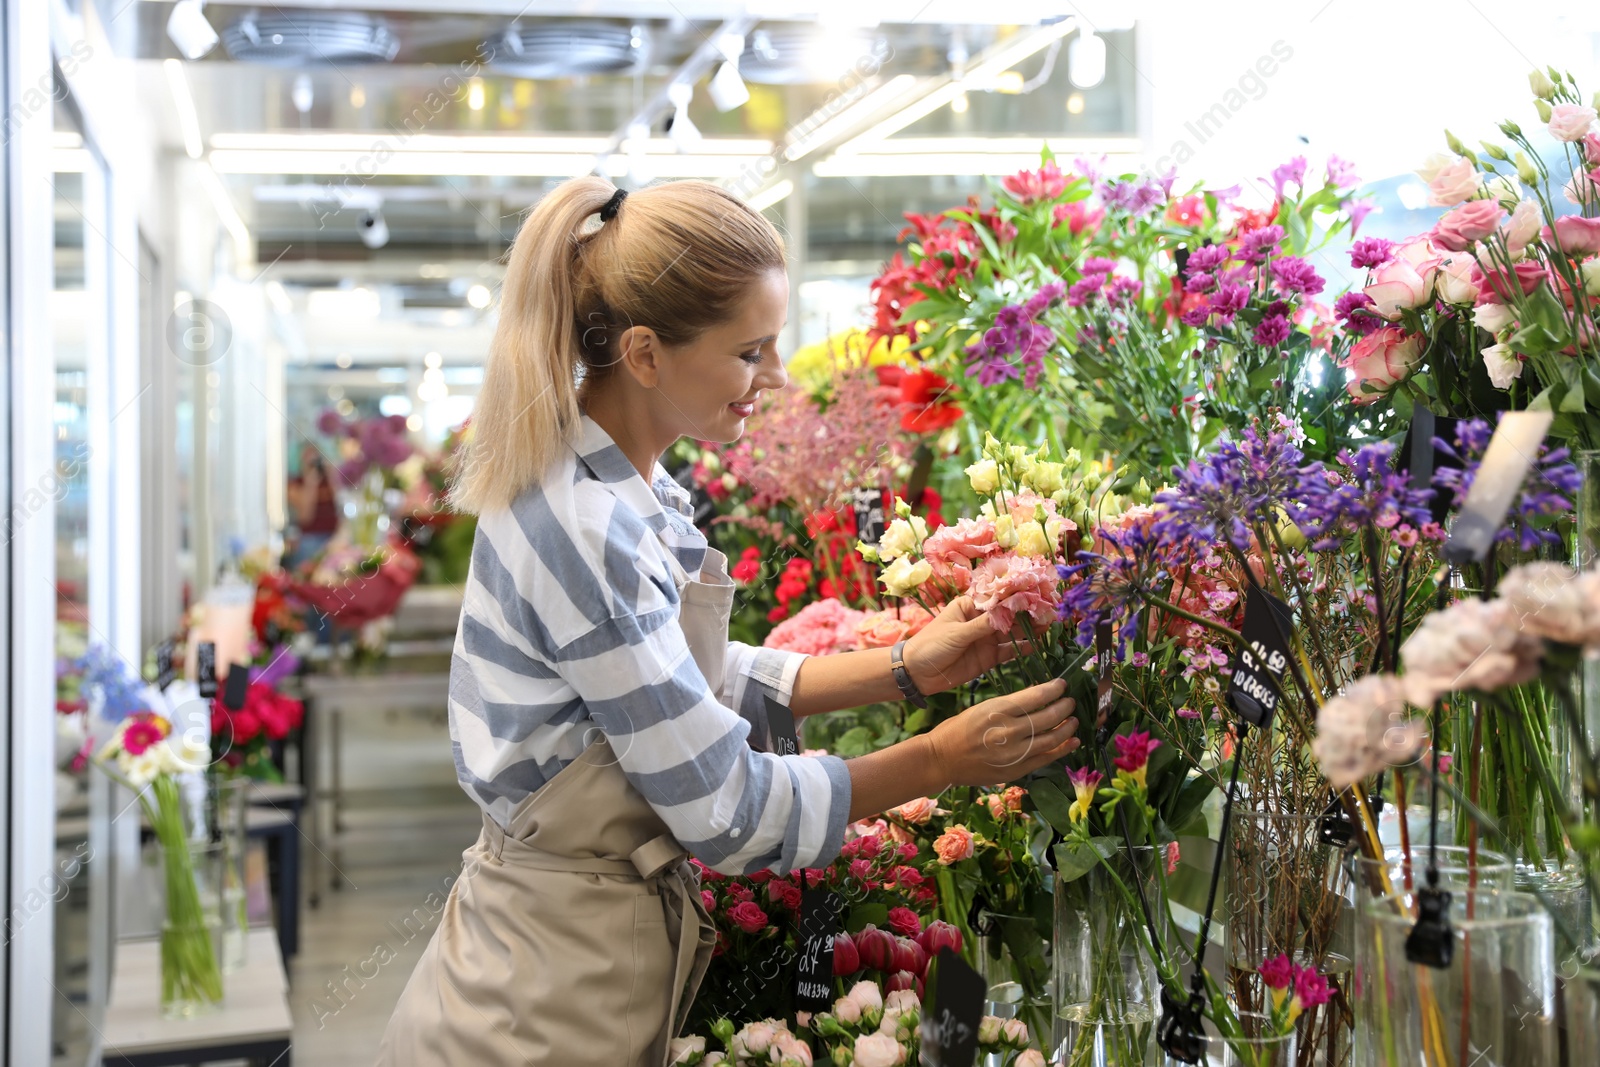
x,y
1086,59
959,104
479,296
727,89
475,94
682,130
190,30
373,228
771,195
183,100
303,95
862,111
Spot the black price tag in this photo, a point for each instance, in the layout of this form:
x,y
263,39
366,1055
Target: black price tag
x,y
166,671
238,682
819,925
1419,457
205,669
1102,660
1256,673
780,727
871,515
950,1024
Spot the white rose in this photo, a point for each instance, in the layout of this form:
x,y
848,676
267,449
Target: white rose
x,y
989,1030
1032,540
1014,1032
715,1059
847,1011
902,577
1591,276
789,1051
1454,280
866,996
1502,364
903,1001
1493,317
686,1049
1005,532
903,537
1030,1058
985,477
878,1050
1433,165
1455,183
756,1037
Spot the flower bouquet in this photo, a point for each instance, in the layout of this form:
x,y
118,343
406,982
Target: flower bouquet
x,y
242,738
146,756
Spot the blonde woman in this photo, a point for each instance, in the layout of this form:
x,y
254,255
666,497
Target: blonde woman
x,y
599,714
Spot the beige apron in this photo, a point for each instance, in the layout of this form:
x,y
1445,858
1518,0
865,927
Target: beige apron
x,y
576,936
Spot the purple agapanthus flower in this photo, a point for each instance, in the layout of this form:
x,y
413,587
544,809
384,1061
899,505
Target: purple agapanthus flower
x,y
1236,485
1369,492
1548,492
1207,258
1294,275
1342,173
1292,171
1350,309
121,690
1109,586
1371,252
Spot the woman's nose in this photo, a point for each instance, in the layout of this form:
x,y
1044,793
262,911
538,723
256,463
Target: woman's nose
x,y
772,374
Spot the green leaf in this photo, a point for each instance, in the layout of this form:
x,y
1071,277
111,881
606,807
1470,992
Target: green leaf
x,y
1053,803
916,722
1572,403
863,915
1074,859
856,741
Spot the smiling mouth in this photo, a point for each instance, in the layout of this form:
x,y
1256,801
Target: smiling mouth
x,y
744,407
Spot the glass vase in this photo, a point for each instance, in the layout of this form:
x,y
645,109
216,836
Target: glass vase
x,y
191,932
1288,895
1494,1004
1256,1044
1106,986
227,805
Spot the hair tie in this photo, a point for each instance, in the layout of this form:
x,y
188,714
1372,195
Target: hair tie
x,y
609,212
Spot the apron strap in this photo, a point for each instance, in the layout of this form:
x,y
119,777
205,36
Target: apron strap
x,y
696,937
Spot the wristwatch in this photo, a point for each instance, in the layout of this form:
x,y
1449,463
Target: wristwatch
x,y
902,677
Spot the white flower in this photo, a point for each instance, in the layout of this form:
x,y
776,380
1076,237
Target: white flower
x,y
1591,276
1502,364
1433,165
142,769
1552,602
789,1051
1493,317
903,537
1472,644
847,1011
985,477
989,1030
686,1050
1365,729
902,1000
1014,1032
902,577
756,1037
1032,540
878,1050
1541,85
1030,1058
1454,280
866,996
1503,188
1523,225
1005,531
1045,478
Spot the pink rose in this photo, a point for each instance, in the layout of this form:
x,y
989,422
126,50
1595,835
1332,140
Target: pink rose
x,y
1012,796
867,996
954,845
880,629
1381,359
1495,286
1365,729
1576,235
1455,182
1523,226
1454,281
1406,281
1570,122
878,1050
748,916
916,812
1466,225
904,922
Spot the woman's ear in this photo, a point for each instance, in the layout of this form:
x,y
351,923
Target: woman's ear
x,y
641,354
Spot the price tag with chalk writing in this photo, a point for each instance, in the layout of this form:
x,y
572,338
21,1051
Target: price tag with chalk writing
x,y
1255,676
205,670
871,515
1102,654
166,670
820,909
950,1024
780,726
237,686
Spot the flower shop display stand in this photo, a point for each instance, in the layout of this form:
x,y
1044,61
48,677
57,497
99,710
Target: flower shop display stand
x,y
328,698
252,1022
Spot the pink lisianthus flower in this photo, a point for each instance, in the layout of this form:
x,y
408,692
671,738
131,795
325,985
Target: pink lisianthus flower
x,y
1008,586
820,628
1381,359
1577,235
882,629
1024,506
1464,226
951,550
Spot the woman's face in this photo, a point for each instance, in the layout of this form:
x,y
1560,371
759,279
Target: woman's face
x,y
708,387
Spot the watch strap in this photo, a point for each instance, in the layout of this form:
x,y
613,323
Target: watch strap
x,y
902,677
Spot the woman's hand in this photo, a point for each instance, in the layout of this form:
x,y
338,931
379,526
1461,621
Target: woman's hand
x,y
1004,738
957,646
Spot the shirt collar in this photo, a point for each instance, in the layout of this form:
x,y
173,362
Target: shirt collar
x,y
663,504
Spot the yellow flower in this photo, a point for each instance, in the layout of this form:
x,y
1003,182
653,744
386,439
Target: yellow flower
x,y
1032,541
1005,532
1045,478
1084,783
985,477
902,577
814,366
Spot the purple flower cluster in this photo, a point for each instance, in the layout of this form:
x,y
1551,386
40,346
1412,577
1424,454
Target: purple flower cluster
x,y
1016,340
1548,493
1292,274
1137,197
1106,587
1370,492
1371,252
1207,258
383,439
1238,484
1256,245
1292,171
1342,173
1350,309
1271,331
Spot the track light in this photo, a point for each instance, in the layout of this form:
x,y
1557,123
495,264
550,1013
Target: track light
x,y
189,29
727,89
683,132
303,95
373,229
1086,59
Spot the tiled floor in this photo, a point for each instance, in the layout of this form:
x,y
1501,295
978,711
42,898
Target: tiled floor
x,y
358,947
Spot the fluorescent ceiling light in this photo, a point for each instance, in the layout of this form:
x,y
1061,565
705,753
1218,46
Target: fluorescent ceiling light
x,y
935,156
357,303
982,74
469,143
477,165
188,120
281,303
862,110
772,194
223,203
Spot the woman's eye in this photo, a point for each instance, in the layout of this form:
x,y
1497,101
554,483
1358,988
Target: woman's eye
x,y
752,358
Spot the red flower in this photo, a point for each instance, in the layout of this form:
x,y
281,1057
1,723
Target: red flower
x,y
909,956
1187,211
814,877
738,892
875,947
904,922
907,877
708,899
1133,750
908,850
820,522
870,846
784,895
860,869
846,960
900,980
139,736
1277,973
748,569
1078,216
1030,187
760,876
748,916
940,934
778,614
924,408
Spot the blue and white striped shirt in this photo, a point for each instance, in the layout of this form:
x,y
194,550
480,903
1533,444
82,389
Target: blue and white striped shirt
x,y
570,622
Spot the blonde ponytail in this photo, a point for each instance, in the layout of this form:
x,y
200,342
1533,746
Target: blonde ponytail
x,y
676,257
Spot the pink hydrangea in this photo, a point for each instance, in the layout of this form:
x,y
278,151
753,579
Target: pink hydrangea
x,y
820,628
950,550
1008,586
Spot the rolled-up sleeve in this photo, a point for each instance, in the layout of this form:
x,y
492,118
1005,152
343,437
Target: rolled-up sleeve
x,y
750,675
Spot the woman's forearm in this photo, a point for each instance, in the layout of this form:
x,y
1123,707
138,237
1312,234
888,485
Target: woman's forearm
x,y
845,680
892,776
